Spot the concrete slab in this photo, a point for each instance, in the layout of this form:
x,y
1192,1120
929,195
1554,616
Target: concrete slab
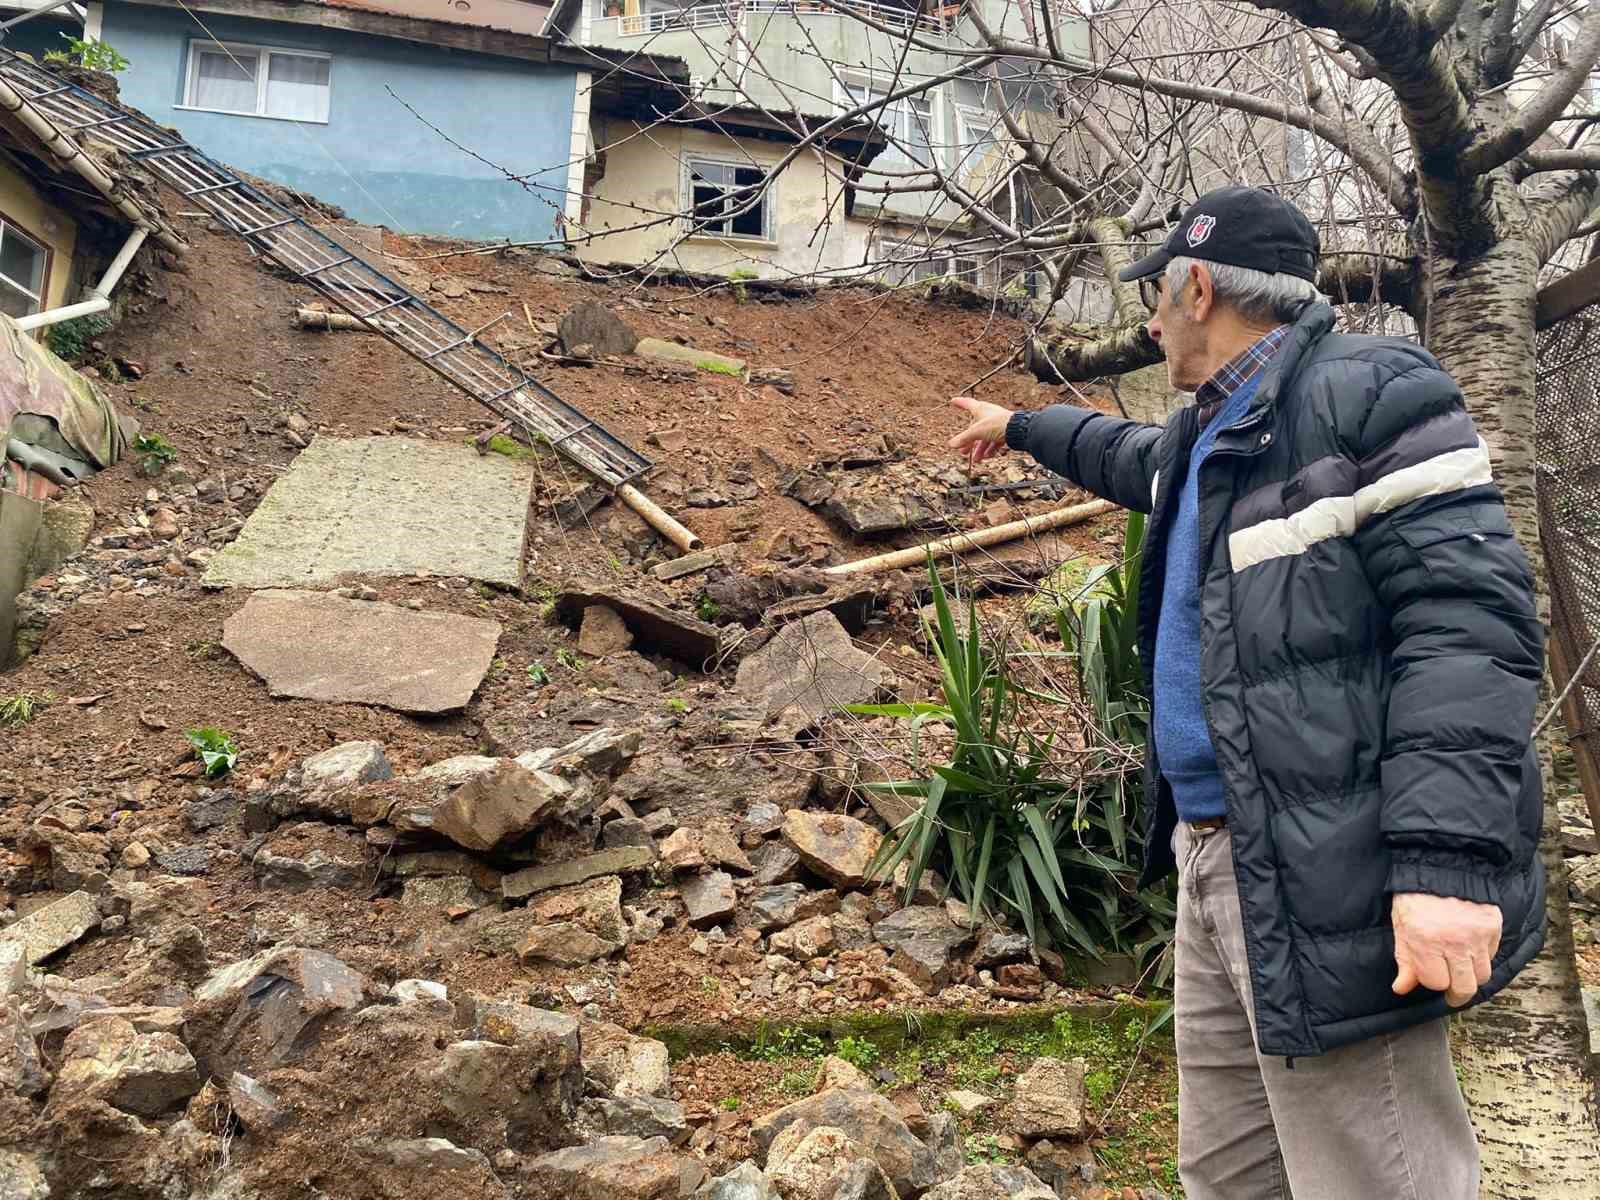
x,y
313,646
53,927
383,506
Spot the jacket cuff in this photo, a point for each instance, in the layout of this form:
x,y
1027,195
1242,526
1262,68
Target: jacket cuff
x,y
1017,430
1446,875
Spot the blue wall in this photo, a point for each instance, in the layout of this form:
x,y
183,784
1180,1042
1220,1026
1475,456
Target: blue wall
x,y
517,115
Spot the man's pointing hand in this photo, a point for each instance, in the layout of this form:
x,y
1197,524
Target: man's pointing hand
x,y
986,436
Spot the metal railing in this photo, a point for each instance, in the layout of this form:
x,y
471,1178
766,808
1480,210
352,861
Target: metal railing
x,y
697,16
356,286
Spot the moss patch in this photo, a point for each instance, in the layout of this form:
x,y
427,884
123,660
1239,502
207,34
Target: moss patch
x,y
719,366
510,447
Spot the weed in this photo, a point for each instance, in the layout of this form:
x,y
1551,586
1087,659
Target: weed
x,y
708,610
1097,1085
538,675
858,1052
158,453
569,659
497,667
88,52
985,1148
709,985
677,704
69,339
740,292
214,748
729,1104
789,1043
21,708
798,1083
203,650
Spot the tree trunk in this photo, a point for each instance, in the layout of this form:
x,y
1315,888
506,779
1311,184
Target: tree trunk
x,y
1524,1056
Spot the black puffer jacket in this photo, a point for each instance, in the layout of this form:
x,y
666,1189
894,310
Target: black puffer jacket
x,y
1370,657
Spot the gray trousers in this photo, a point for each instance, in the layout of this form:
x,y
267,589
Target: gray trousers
x,y
1381,1119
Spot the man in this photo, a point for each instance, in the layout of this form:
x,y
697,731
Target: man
x,y
1339,631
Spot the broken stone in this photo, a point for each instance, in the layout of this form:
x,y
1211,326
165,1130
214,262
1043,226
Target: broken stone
x,y
428,1155
530,1083
836,847
805,940
312,855
420,991
616,1168
659,822
866,1118
346,765
602,632
142,1073
313,646
443,891
542,878
924,940
211,809
813,665
564,944
997,946
595,325
184,860
635,1116
1068,1167
625,831
705,360
22,1176
683,850
53,927
621,1065
775,863
595,906
744,1182
824,1163
763,819
783,904
689,564
836,1073
256,1105
1049,1099
929,891
490,808
281,999
710,898
434,863
13,968
21,1070
993,1181
457,770
967,1103
654,627
1584,878
944,1139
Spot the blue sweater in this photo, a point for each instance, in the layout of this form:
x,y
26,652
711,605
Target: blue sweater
x,y
1183,740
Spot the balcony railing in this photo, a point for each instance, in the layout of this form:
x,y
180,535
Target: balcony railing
x,y
698,16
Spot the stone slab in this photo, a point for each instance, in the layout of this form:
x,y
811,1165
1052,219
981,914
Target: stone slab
x,y
53,927
655,628
382,506
706,360
319,647
553,875
20,519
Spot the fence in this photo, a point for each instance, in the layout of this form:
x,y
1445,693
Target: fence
x,y
1568,444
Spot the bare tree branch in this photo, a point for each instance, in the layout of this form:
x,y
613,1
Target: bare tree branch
x,y
1530,120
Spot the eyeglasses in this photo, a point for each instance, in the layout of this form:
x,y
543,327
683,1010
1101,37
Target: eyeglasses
x,y
1150,291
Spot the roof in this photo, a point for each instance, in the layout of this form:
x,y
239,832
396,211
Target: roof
x,y
513,16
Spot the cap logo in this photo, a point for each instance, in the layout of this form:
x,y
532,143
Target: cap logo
x,y
1200,228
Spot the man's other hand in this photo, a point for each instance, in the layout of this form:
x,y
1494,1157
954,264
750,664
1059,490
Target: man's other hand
x,y
986,436
1443,943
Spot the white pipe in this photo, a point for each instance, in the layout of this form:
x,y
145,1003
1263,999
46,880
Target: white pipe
x,y
99,296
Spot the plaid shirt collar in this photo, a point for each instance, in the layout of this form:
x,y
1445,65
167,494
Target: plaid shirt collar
x,y
1236,372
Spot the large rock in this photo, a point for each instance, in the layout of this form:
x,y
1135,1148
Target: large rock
x,y
836,847
594,906
346,765
709,898
531,1085
924,940
781,905
312,646
1068,1167
603,633
635,1116
836,1073
945,1140
813,665
825,1163
596,326
616,1168
143,1073
997,946
868,1119
313,854
992,1181
53,927
22,1176
22,1071
1584,878
621,1065
1049,1099
655,629
563,944
428,1157
279,1000
489,808
257,1106
615,861
744,1182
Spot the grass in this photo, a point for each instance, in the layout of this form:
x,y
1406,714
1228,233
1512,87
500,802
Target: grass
x,y
569,659
677,704
214,748
708,610
858,1052
510,448
538,674
18,709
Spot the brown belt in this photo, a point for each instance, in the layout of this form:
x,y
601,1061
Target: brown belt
x,y
1208,825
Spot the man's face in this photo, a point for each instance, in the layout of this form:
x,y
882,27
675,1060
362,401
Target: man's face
x,y
1174,326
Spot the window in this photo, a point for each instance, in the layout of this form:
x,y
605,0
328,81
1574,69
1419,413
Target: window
x,y
22,272
910,262
908,121
725,200
255,81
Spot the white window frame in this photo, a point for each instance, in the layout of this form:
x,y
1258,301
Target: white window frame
x,y
769,199
11,229
916,258
263,55
898,118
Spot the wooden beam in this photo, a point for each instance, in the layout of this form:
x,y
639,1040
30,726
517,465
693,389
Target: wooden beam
x,y
1570,294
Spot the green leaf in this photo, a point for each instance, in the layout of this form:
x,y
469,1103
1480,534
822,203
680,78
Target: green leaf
x,y
1046,842
967,782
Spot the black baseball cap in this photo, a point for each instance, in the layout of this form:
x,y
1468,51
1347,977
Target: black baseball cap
x,y
1240,226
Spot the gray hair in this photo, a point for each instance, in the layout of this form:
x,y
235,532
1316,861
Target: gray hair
x,y
1255,295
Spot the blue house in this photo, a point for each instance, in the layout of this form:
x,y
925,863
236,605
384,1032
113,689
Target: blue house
x,y
411,114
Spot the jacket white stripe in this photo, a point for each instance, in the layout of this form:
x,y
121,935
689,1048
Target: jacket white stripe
x,y
1341,516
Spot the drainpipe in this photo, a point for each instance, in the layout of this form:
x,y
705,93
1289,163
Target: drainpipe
x,y
99,296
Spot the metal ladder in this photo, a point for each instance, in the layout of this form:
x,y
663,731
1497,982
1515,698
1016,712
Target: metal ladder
x,y
354,285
